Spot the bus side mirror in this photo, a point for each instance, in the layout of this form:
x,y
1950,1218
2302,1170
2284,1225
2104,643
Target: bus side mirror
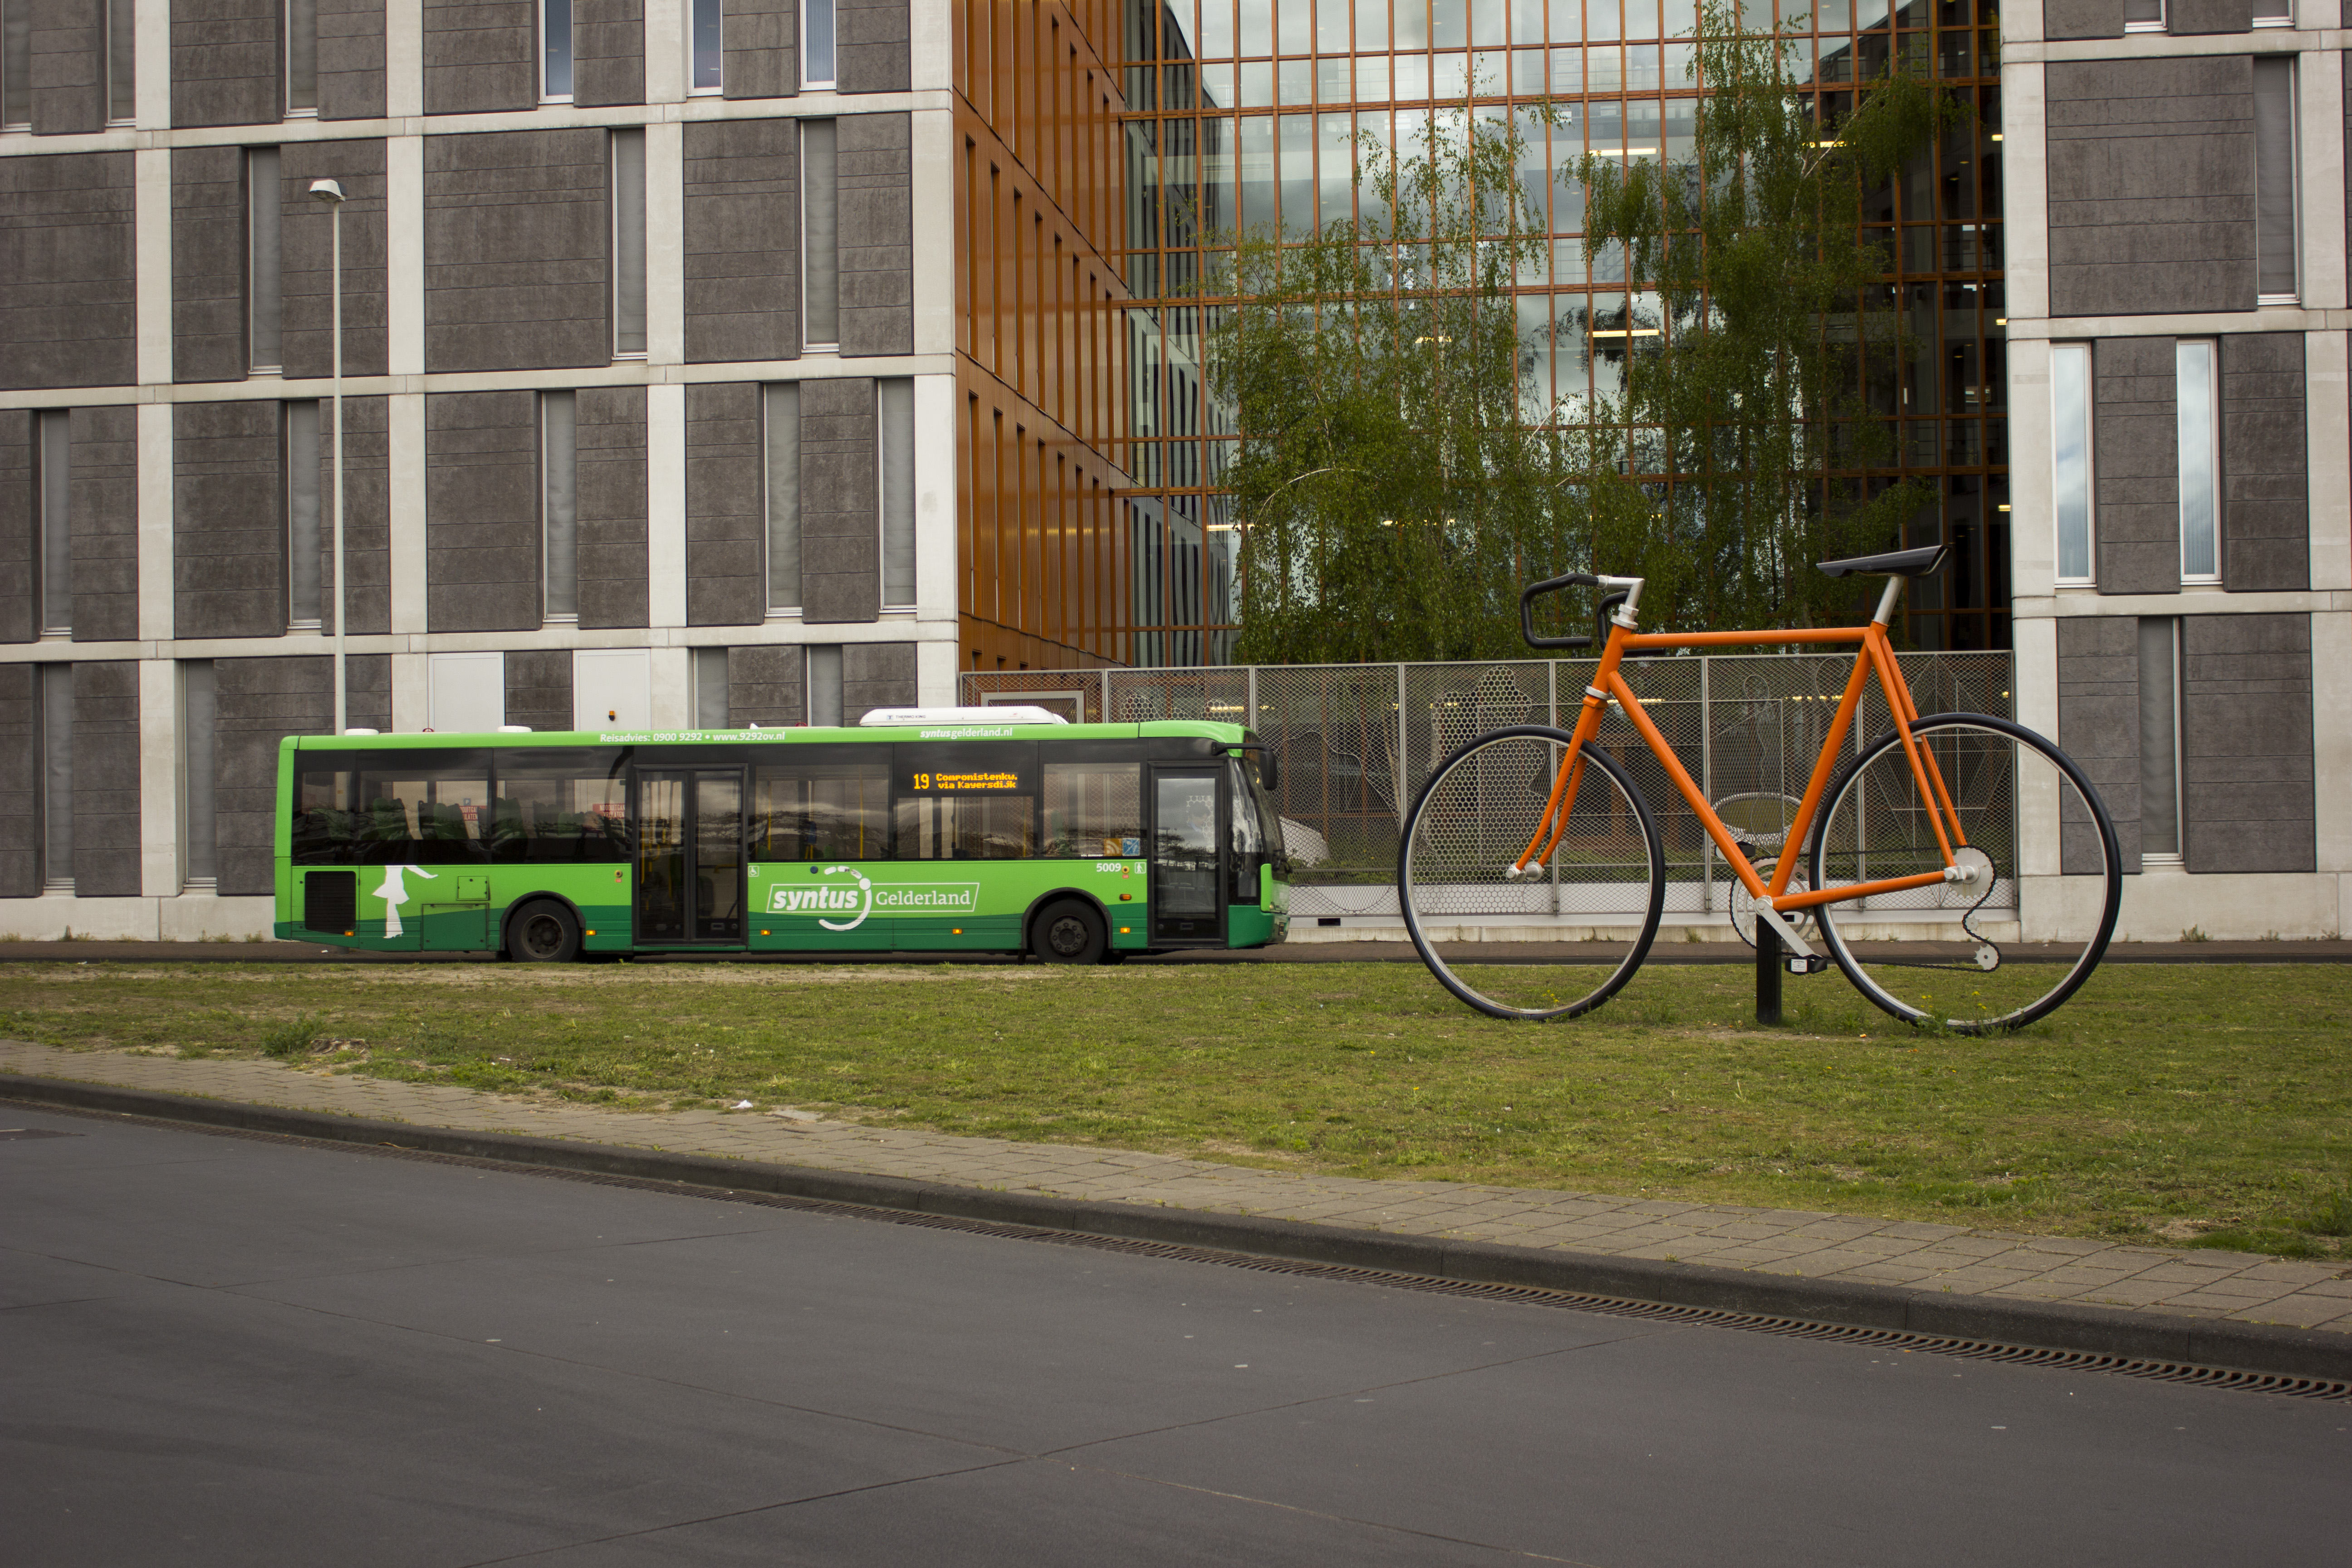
x,y
1269,771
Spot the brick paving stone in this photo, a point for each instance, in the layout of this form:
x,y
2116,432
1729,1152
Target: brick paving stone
x,y
1943,1258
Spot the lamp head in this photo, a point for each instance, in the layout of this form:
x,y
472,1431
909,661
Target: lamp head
x,y
326,191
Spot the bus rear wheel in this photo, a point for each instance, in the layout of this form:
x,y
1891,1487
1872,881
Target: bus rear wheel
x,y
1069,932
544,933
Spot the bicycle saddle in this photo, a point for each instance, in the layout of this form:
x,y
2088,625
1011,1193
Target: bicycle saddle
x,y
1924,562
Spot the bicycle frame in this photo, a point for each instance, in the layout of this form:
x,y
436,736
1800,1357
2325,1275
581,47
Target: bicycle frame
x,y
1875,654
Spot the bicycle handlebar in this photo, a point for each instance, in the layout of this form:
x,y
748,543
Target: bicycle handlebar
x,y
1552,585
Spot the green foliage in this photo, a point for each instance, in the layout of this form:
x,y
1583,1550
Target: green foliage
x,y
1745,383
1393,494
291,1039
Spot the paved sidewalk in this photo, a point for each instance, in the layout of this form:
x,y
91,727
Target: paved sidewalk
x,y
2196,1283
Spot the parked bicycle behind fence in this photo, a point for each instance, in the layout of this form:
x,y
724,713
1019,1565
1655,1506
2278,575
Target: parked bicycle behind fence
x,y
1958,867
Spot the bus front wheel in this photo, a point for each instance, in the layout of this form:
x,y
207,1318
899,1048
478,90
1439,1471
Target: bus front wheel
x,y
544,933
1069,932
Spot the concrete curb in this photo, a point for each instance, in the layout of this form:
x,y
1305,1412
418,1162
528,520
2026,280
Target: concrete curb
x,y
2195,1342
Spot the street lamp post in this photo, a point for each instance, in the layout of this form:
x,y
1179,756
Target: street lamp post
x,y
332,193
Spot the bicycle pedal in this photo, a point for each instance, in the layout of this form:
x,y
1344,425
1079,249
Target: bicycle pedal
x,y
1803,965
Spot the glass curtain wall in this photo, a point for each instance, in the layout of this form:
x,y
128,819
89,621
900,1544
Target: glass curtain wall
x,y
1242,113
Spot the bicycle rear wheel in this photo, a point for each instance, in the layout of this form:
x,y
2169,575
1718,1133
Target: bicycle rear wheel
x,y
2005,949
1491,940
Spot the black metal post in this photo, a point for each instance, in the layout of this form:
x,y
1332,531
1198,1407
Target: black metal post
x,y
1767,972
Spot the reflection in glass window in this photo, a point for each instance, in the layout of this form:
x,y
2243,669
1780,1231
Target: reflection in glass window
x,y
1093,810
560,808
555,50
816,43
823,808
710,26
2200,464
2070,439
423,809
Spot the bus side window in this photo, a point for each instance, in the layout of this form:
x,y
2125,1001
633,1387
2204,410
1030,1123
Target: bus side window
x,y
819,809
560,808
1094,811
1248,838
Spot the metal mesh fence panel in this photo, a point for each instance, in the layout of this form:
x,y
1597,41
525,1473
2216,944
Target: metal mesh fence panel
x,y
1356,744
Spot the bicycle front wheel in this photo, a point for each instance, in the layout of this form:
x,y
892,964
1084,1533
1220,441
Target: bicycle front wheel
x,y
1491,939
2009,945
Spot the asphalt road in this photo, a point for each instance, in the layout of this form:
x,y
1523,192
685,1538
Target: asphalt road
x,y
217,1350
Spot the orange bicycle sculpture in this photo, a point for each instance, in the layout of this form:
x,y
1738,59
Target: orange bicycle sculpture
x,y
1959,868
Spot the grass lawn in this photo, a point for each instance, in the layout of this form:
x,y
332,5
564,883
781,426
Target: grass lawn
x,y
2205,1104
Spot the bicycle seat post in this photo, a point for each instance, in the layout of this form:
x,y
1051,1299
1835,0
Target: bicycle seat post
x,y
1886,602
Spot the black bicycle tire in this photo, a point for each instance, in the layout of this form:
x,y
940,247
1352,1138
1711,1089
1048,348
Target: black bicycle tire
x,y
2092,954
1627,967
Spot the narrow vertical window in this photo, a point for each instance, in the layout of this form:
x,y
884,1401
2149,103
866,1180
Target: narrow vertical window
x,y
2159,737
198,835
555,51
262,257
2143,15
708,64
57,777
628,244
305,603
898,397
820,245
2201,463
2276,236
816,43
710,688
15,64
824,683
559,507
122,100
301,59
781,416
2070,443
53,456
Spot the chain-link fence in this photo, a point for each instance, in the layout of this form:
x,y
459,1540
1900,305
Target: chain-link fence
x,y
1356,742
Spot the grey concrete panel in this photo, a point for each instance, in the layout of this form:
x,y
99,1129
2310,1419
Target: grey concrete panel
x,y
2083,19
875,675
103,513
538,687
20,782
208,265
2151,185
227,64
2246,761
306,243
256,703
762,49
228,521
515,250
871,40
840,523
726,524
877,234
18,533
67,66
2189,17
69,294
2136,451
106,838
743,240
2265,481
480,56
2098,725
608,51
367,513
350,60
767,685
483,549
609,441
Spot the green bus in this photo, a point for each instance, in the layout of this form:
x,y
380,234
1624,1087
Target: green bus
x,y
944,830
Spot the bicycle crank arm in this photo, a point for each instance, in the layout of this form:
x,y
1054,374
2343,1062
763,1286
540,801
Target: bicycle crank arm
x,y
1790,943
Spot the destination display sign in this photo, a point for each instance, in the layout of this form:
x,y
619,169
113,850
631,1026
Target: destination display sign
x,y
967,770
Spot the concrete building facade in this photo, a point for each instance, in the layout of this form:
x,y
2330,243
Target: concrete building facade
x,y
666,390
2182,443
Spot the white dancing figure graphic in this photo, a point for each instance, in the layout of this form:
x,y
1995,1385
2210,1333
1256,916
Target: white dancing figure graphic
x,y
394,893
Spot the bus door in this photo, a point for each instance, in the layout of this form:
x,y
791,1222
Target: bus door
x,y
1187,836
691,856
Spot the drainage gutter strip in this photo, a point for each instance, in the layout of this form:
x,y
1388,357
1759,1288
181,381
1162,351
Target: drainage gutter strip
x,y
2132,1336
